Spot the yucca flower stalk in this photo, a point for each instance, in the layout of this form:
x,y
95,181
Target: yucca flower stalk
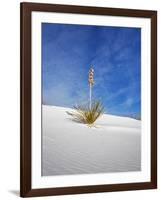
x,y
91,83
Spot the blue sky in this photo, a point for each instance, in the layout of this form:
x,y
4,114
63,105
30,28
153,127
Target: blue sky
x,y
68,52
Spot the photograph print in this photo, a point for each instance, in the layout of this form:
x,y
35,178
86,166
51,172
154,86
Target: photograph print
x,y
88,106
91,99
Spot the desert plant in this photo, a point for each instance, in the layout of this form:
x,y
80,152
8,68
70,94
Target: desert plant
x,y
87,114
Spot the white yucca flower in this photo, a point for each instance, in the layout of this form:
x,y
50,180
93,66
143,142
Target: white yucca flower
x,y
91,83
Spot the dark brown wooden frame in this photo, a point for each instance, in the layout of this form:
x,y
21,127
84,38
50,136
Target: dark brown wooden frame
x,y
25,146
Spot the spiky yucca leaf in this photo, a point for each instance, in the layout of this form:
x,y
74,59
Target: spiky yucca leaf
x,y
86,115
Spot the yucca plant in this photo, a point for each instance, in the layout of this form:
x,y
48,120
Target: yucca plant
x,y
88,114
85,114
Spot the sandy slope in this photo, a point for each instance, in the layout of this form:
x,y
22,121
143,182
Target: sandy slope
x,y
73,148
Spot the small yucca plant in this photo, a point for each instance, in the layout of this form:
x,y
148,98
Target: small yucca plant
x,y
87,115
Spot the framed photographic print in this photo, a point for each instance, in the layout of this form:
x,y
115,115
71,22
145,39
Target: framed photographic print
x,y
88,99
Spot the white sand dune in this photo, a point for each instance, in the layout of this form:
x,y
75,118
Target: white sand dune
x,y
68,147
